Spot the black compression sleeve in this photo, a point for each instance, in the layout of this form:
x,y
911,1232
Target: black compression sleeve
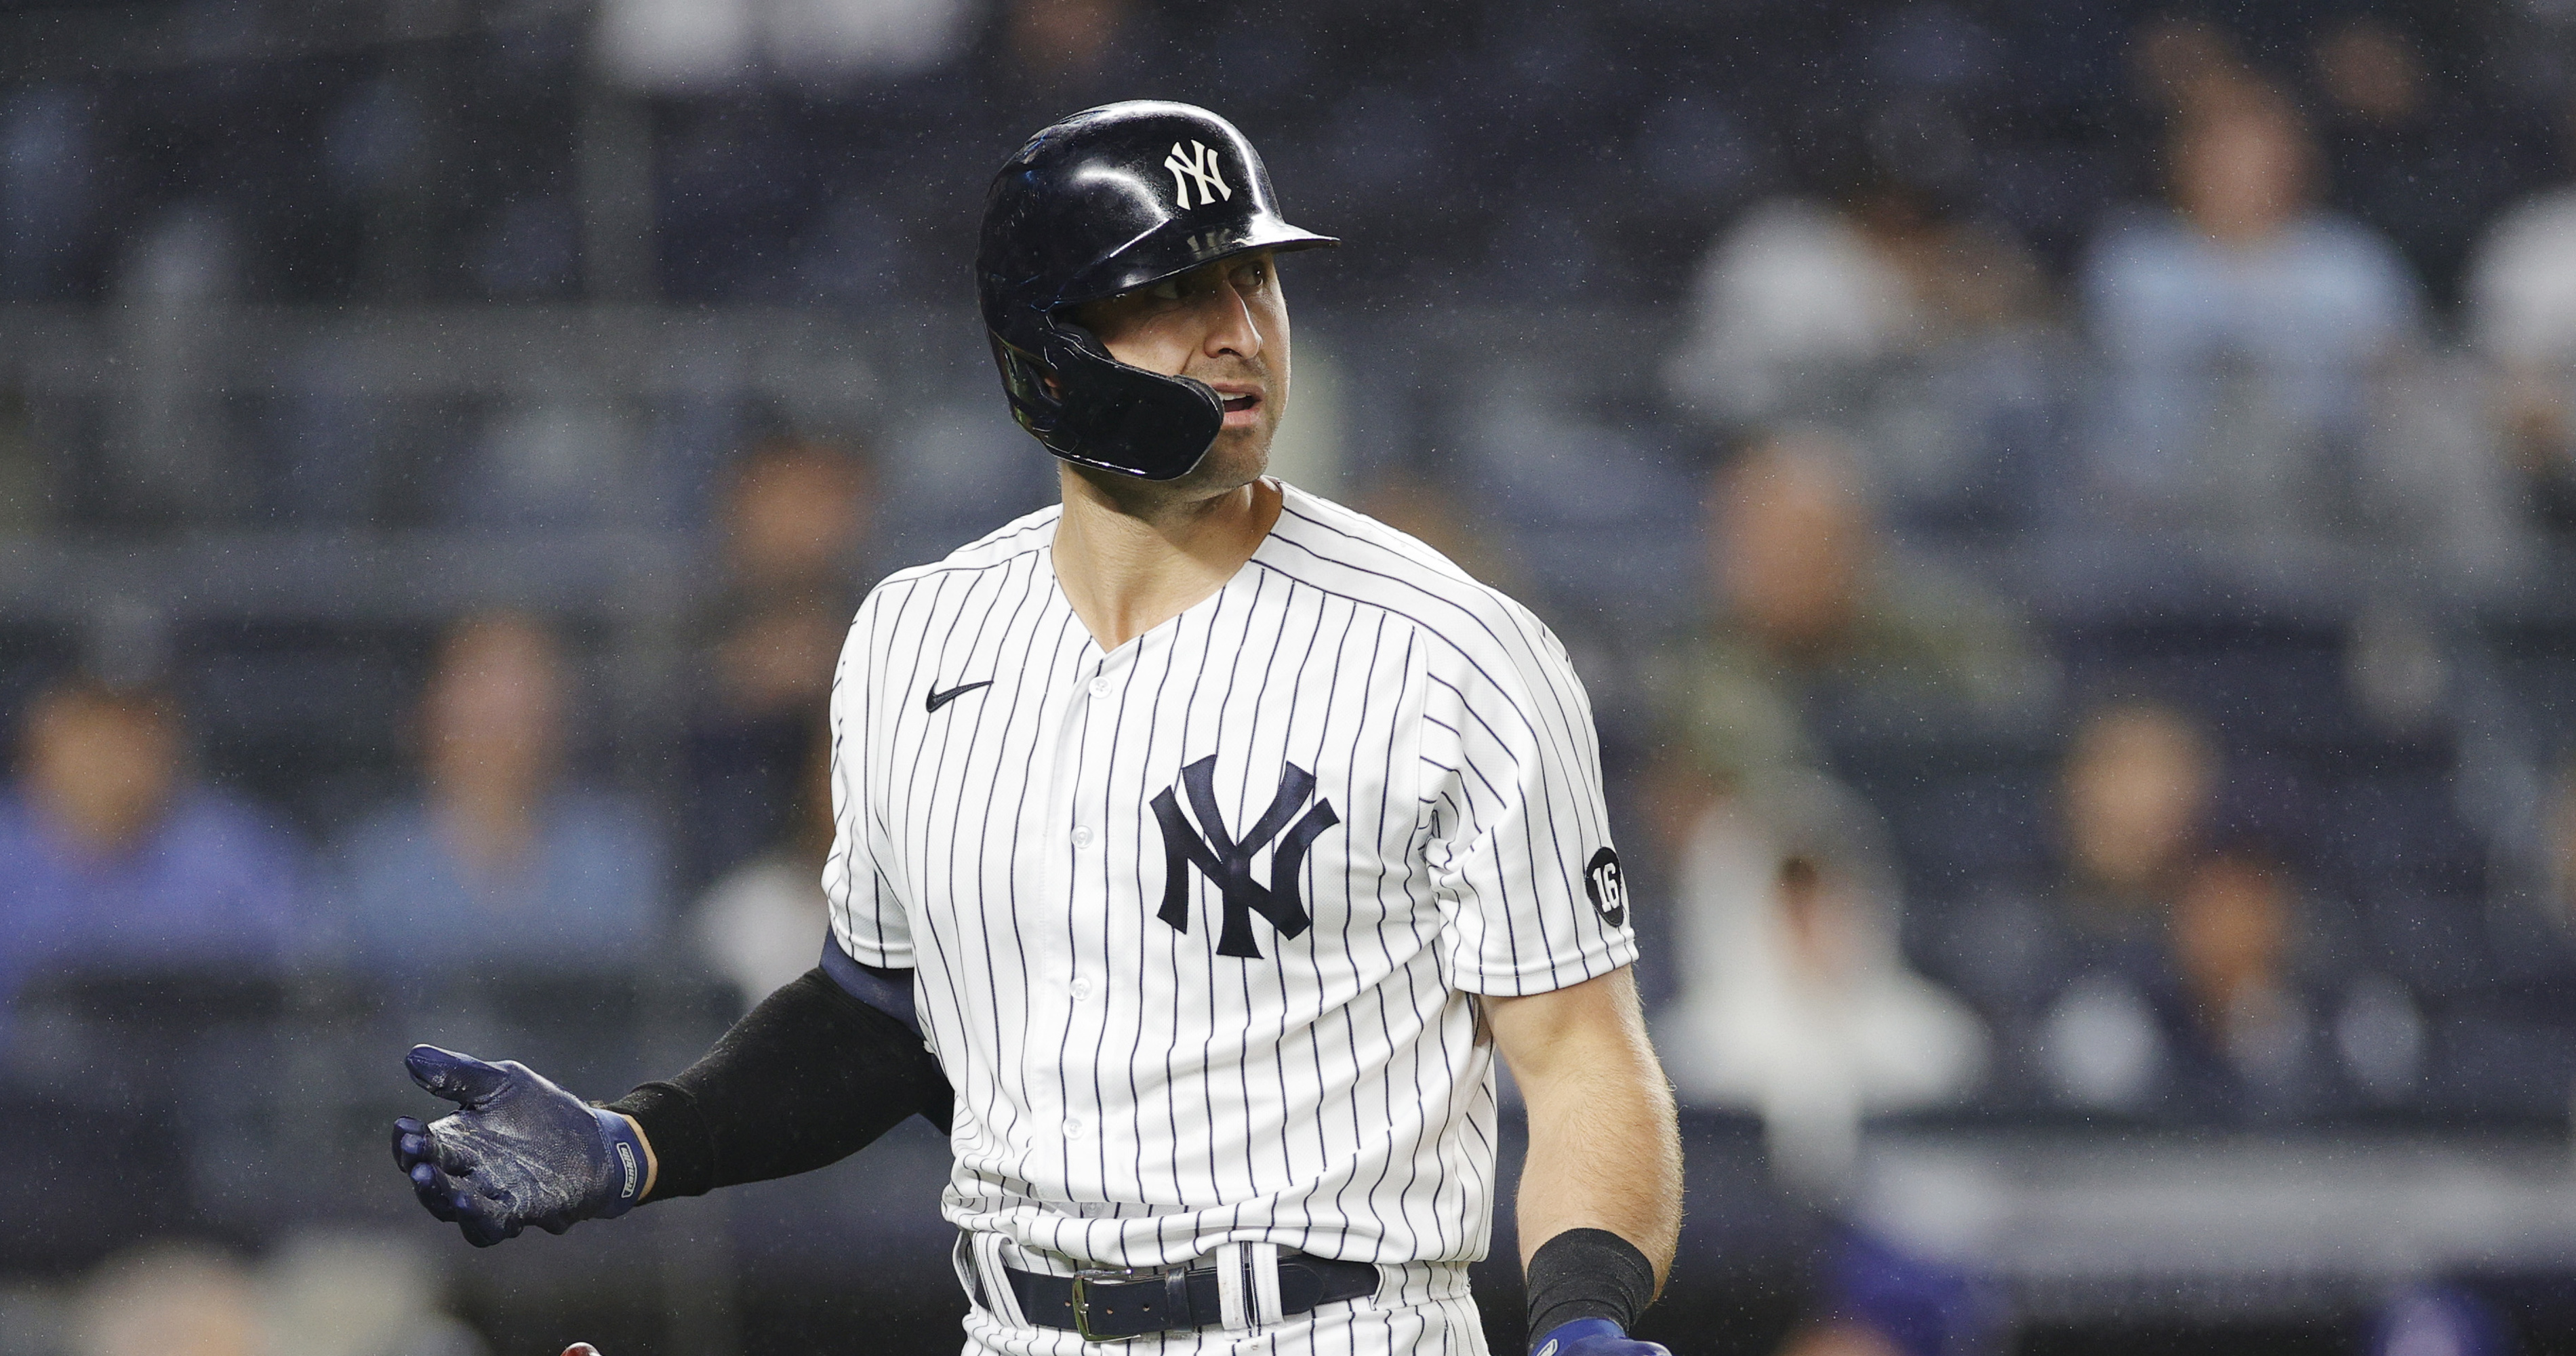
x,y
806,1079
1588,1273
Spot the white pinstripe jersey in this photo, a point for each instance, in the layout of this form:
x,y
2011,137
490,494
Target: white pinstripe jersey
x,y
1195,923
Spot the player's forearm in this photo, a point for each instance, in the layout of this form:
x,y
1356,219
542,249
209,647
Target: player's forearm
x,y
1604,1154
809,1077
1604,1149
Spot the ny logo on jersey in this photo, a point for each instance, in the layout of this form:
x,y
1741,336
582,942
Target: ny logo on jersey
x,y
1227,863
1197,164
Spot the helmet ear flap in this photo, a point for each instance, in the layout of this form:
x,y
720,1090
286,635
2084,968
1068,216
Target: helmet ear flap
x,y
1030,387
1154,427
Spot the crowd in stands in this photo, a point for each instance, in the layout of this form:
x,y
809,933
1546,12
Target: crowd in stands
x,y
503,856
1968,490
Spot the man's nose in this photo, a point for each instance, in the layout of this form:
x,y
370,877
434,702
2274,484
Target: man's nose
x,y
1231,328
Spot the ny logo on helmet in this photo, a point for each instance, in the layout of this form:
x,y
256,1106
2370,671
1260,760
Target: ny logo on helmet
x,y
1228,864
1197,164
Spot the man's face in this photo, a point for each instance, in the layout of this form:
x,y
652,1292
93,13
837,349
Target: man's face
x,y
1224,324
105,768
492,717
1791,545
2137,787
792,517
2241,173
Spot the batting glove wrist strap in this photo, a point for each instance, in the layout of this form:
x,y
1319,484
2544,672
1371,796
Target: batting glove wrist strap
x,y
627,1162
1588,1274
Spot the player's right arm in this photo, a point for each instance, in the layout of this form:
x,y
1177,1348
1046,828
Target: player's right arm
x,y
1519,844
818,1070
1601,1190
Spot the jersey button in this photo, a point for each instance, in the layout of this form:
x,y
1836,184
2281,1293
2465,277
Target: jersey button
x,y
1073,1129
1082,835
1081,990
1100,687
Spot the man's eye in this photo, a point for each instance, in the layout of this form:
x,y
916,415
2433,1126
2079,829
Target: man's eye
x,y
1254,276
1168,289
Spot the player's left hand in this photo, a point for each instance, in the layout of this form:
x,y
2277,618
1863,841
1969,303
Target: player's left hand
x,y
1593,1337
518,1150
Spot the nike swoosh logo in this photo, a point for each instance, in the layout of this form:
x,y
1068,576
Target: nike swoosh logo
x,y
937,700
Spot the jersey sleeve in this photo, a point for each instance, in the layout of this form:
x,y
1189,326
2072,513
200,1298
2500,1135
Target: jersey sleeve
x,y
867,917
1517,837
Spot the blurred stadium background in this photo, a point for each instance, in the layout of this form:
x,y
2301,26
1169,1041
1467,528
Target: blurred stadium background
x,y
2067,512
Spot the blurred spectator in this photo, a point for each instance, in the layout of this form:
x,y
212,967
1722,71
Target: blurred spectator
x,y
2137,794
677,46
112,854
2410,156
2239,333
2231,951
344,1292
1061,42
2175,58
2134,799
1038,60
1814,620
1440,516
794,519
793,522
1795,1002
2216,1024
835,39
498,863
2168,970
1875,1299
1801,298
2521,296
1884,313
171,1299
762,923
322,1294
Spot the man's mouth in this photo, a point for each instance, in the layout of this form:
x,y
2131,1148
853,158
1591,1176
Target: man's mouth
x,y
1242,408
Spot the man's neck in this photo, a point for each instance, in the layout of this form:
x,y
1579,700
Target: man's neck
x,y
490,825
1130,559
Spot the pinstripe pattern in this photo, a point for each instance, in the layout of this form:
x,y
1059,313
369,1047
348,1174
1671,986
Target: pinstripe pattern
x,y
1127,1095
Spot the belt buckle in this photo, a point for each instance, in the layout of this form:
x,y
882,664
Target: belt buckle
x,y
1082,1282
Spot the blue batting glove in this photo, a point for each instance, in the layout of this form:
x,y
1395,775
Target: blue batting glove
x,y
518,1150
1593,1337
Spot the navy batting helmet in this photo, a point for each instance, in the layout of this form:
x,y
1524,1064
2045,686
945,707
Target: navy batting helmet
x,y
1112,199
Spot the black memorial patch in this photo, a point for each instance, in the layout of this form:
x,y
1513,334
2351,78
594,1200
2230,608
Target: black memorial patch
x,y
1607,882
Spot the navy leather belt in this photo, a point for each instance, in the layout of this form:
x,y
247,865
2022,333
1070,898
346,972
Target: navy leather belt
x,y
1112,1305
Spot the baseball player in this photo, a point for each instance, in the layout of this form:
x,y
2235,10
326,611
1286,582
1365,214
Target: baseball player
x,y
1200,844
